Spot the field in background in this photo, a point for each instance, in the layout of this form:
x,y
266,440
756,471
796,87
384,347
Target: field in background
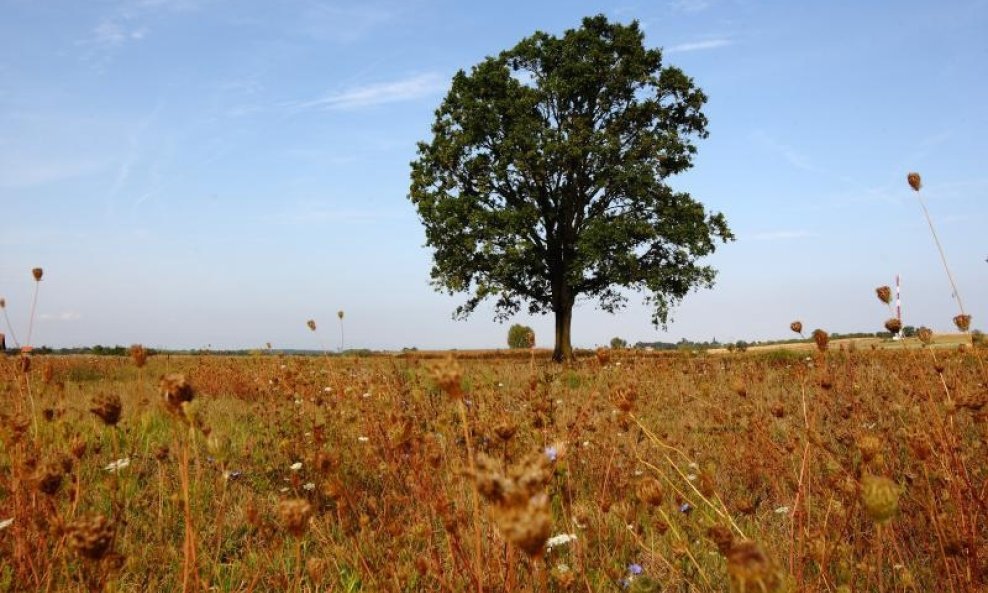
x,y
845,470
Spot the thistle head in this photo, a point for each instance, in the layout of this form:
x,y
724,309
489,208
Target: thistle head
x,y
108,407
963,322
925,335
893,325
37,273
914,181
750,569
294,515
91,537
884,294
650,492
176,391
821,338
312,324
796,326
139,355
880,496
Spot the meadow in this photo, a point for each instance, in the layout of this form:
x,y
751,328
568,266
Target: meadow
x,y
838,469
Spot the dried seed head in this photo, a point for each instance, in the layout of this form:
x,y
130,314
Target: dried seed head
x,y
78,447
750,569
3,303
294,515
519,503
650,492
530,339
449,378
796,326
925,335
723,537
870,446
37,273
161,452
884,294
971,401
603,355
108,407
914,181
219,446
48,478
505,430
139,355
339,314
91,537
893,325
175,390
821,338
963,322
312,324
316,568
880,496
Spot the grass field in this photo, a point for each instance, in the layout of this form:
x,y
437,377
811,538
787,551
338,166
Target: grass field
x,y
841,470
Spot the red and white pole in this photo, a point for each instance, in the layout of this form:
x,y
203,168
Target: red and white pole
x,y
898,300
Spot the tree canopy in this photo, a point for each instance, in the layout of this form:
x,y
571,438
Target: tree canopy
x,y
545,179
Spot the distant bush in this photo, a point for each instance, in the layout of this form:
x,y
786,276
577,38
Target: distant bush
x,y
618,343
518,336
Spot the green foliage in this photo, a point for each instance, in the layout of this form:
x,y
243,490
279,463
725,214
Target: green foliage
x,y
518,336
618,343
545,178
909,331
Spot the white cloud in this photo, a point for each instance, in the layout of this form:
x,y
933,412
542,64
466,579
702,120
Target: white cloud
x,y
406,89
698,46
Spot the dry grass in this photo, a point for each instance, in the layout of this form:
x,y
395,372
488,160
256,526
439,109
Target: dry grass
x,y
855,470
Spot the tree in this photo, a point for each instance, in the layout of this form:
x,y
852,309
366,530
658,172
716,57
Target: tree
x,y
545,179
520,336
618,343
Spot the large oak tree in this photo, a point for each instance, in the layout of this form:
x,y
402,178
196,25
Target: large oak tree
x,y
545,179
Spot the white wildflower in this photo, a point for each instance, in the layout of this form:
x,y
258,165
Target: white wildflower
x,y
296,466
363,439
560,540
6,523
115,466
782,510
309,486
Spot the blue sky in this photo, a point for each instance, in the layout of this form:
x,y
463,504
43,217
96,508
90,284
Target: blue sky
x,y
196,172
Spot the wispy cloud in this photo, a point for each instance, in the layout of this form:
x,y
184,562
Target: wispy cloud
x,y
406,89
788,153
112,33
782,235
698,45
690,5
345,23
124,24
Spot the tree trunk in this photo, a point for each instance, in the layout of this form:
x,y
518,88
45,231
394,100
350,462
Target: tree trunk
x,y
564,315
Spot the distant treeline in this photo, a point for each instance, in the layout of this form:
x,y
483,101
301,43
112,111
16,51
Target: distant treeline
x,y
685,344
